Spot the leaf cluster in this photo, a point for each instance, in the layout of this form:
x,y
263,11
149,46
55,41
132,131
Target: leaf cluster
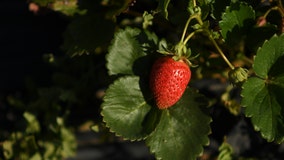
x,y
114,44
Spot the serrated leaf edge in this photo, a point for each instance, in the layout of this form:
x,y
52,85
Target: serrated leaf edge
x,y
202,146
109,127
118,32
267,41
256,128
228,7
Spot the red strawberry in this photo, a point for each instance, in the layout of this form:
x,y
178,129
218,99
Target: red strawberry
x,y
168,80
261,21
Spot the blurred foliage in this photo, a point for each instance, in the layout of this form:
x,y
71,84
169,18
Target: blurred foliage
x,y
41,123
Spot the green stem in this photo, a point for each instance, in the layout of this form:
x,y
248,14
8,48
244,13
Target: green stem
x,y
215,44
199,20
186,26
191,35
280,8
185,29
220,51
271,9
245,58
275,83
194,16
194,3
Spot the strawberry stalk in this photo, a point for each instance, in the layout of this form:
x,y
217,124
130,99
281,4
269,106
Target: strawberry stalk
x,y
180,49
220,50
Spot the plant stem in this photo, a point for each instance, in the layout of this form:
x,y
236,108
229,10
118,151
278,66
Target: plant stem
x,y
185,28
279,84
194,3
220,51
278,8
272,9
191,35
215,44
199,20
281,9
245,58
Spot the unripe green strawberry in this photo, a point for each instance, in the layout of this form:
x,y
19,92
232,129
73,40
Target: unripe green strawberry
x,y
168,80
238,75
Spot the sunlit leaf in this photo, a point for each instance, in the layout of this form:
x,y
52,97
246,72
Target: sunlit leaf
x,y
125,49
36,156
130,52
67,7
124,108
183,129
8,149
33,125
69,144
226,152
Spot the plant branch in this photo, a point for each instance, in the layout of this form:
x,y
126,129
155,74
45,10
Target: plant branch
x,y
280,8
275,8
194,3
220,51
245,58
199,20
186,26
191,35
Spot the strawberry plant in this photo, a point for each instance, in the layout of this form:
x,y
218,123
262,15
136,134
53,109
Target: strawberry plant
x,y
156,54
179,128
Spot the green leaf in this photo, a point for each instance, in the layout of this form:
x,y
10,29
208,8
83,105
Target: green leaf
x,y
163,7
67,7
268,55
183,129
49,149
218,7
263,95
205,6
87,34
124,108
147,19
8,150
36,156
33,125
125,49
226,152
68,141
236,20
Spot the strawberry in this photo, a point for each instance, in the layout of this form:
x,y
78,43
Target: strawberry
x,y
168,80
261,21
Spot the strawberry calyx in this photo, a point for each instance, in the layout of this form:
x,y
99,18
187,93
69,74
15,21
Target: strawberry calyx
x,y
180,53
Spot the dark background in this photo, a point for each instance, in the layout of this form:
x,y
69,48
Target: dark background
x,y
26,37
